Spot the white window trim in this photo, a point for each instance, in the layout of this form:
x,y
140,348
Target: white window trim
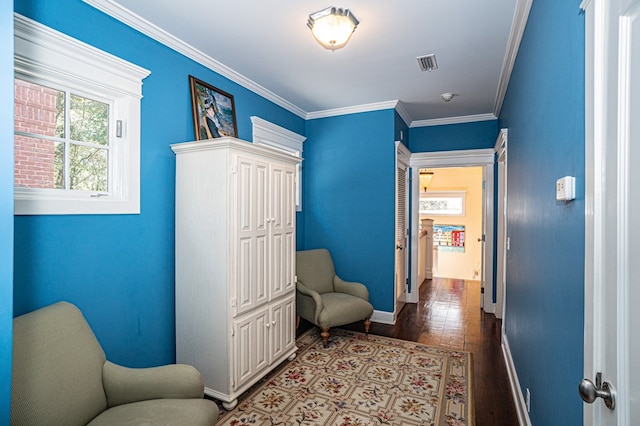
x,y
269,134
446,194
45,54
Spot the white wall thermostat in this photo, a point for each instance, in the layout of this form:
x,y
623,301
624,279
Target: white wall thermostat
x,y
566,188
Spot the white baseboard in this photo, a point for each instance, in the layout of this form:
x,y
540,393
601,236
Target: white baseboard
x,y
383,317
490,308
516,392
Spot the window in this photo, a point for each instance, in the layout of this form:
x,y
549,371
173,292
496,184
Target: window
x,y
442,203
266,133
77,114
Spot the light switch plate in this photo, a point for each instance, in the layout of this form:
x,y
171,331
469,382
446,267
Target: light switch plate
x,y
566,188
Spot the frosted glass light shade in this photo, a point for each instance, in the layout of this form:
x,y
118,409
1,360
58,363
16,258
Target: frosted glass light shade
x,y
425,179
332,27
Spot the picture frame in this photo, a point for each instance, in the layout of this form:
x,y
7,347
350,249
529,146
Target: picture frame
x,y
214,112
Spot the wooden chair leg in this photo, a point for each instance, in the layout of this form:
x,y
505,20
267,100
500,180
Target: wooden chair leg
x,y
367,324
325,336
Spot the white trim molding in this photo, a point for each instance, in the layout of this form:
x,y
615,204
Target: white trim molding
x,y
267,133
274,136
382,317
516,392
453,120
453,158
377,106
484,158
138,23
48,56
520,17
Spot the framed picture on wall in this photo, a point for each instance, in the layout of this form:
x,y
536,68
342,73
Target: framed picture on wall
x,y
214,113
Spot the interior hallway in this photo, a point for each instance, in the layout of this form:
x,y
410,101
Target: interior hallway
x,y
449,316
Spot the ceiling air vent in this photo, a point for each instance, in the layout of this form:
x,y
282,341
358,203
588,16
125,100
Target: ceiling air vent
x,y
428,62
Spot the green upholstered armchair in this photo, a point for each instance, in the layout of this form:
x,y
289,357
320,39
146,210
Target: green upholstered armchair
x,y
323,298
61,377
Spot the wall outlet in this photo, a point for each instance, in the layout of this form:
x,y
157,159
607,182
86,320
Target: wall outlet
x,y
528,401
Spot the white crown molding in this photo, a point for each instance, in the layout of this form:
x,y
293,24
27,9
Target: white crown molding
x,y
377,106
403,113
145,27
521,14
453,120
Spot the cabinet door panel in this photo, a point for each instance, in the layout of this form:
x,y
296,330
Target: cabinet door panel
x,y
277,278
283,228
251,350
251,195
282,327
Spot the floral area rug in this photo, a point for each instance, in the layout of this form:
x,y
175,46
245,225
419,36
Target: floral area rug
x,y
362,379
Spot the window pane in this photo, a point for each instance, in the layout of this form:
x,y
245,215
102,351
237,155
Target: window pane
x,y
38,163
442,205
88,168
89,120
38,109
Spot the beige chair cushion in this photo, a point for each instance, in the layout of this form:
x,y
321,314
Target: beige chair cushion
x,y
57,368
191,412
341,309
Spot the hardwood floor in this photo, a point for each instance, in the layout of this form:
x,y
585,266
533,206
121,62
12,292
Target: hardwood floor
x,y
449,316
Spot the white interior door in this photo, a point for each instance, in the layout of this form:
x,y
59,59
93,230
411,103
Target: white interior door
x,y
612,270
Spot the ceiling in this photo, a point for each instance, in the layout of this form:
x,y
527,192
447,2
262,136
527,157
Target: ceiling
x,y
267,47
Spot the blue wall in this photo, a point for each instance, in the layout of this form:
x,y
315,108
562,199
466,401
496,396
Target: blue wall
x,y
6,206
119,269
349,187
454,137
544,112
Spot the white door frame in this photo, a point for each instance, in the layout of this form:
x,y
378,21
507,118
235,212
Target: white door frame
x,y
474,157
608,178
501,234
403,156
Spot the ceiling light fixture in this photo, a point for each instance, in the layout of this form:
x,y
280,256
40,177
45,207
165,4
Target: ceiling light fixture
x,y
332,27
425,179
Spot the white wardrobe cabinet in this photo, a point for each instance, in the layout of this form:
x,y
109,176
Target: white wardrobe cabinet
x,y
235,262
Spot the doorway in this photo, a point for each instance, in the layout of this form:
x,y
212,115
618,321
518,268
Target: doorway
x,y
452,200
483,158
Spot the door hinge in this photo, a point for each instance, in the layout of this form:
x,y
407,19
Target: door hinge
x,y
481,290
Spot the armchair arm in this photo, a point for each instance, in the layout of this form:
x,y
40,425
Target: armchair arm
x,y
314,295
358,290
123,385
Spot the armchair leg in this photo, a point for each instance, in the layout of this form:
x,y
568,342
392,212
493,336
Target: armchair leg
x,y
367,324
297,321
325,336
